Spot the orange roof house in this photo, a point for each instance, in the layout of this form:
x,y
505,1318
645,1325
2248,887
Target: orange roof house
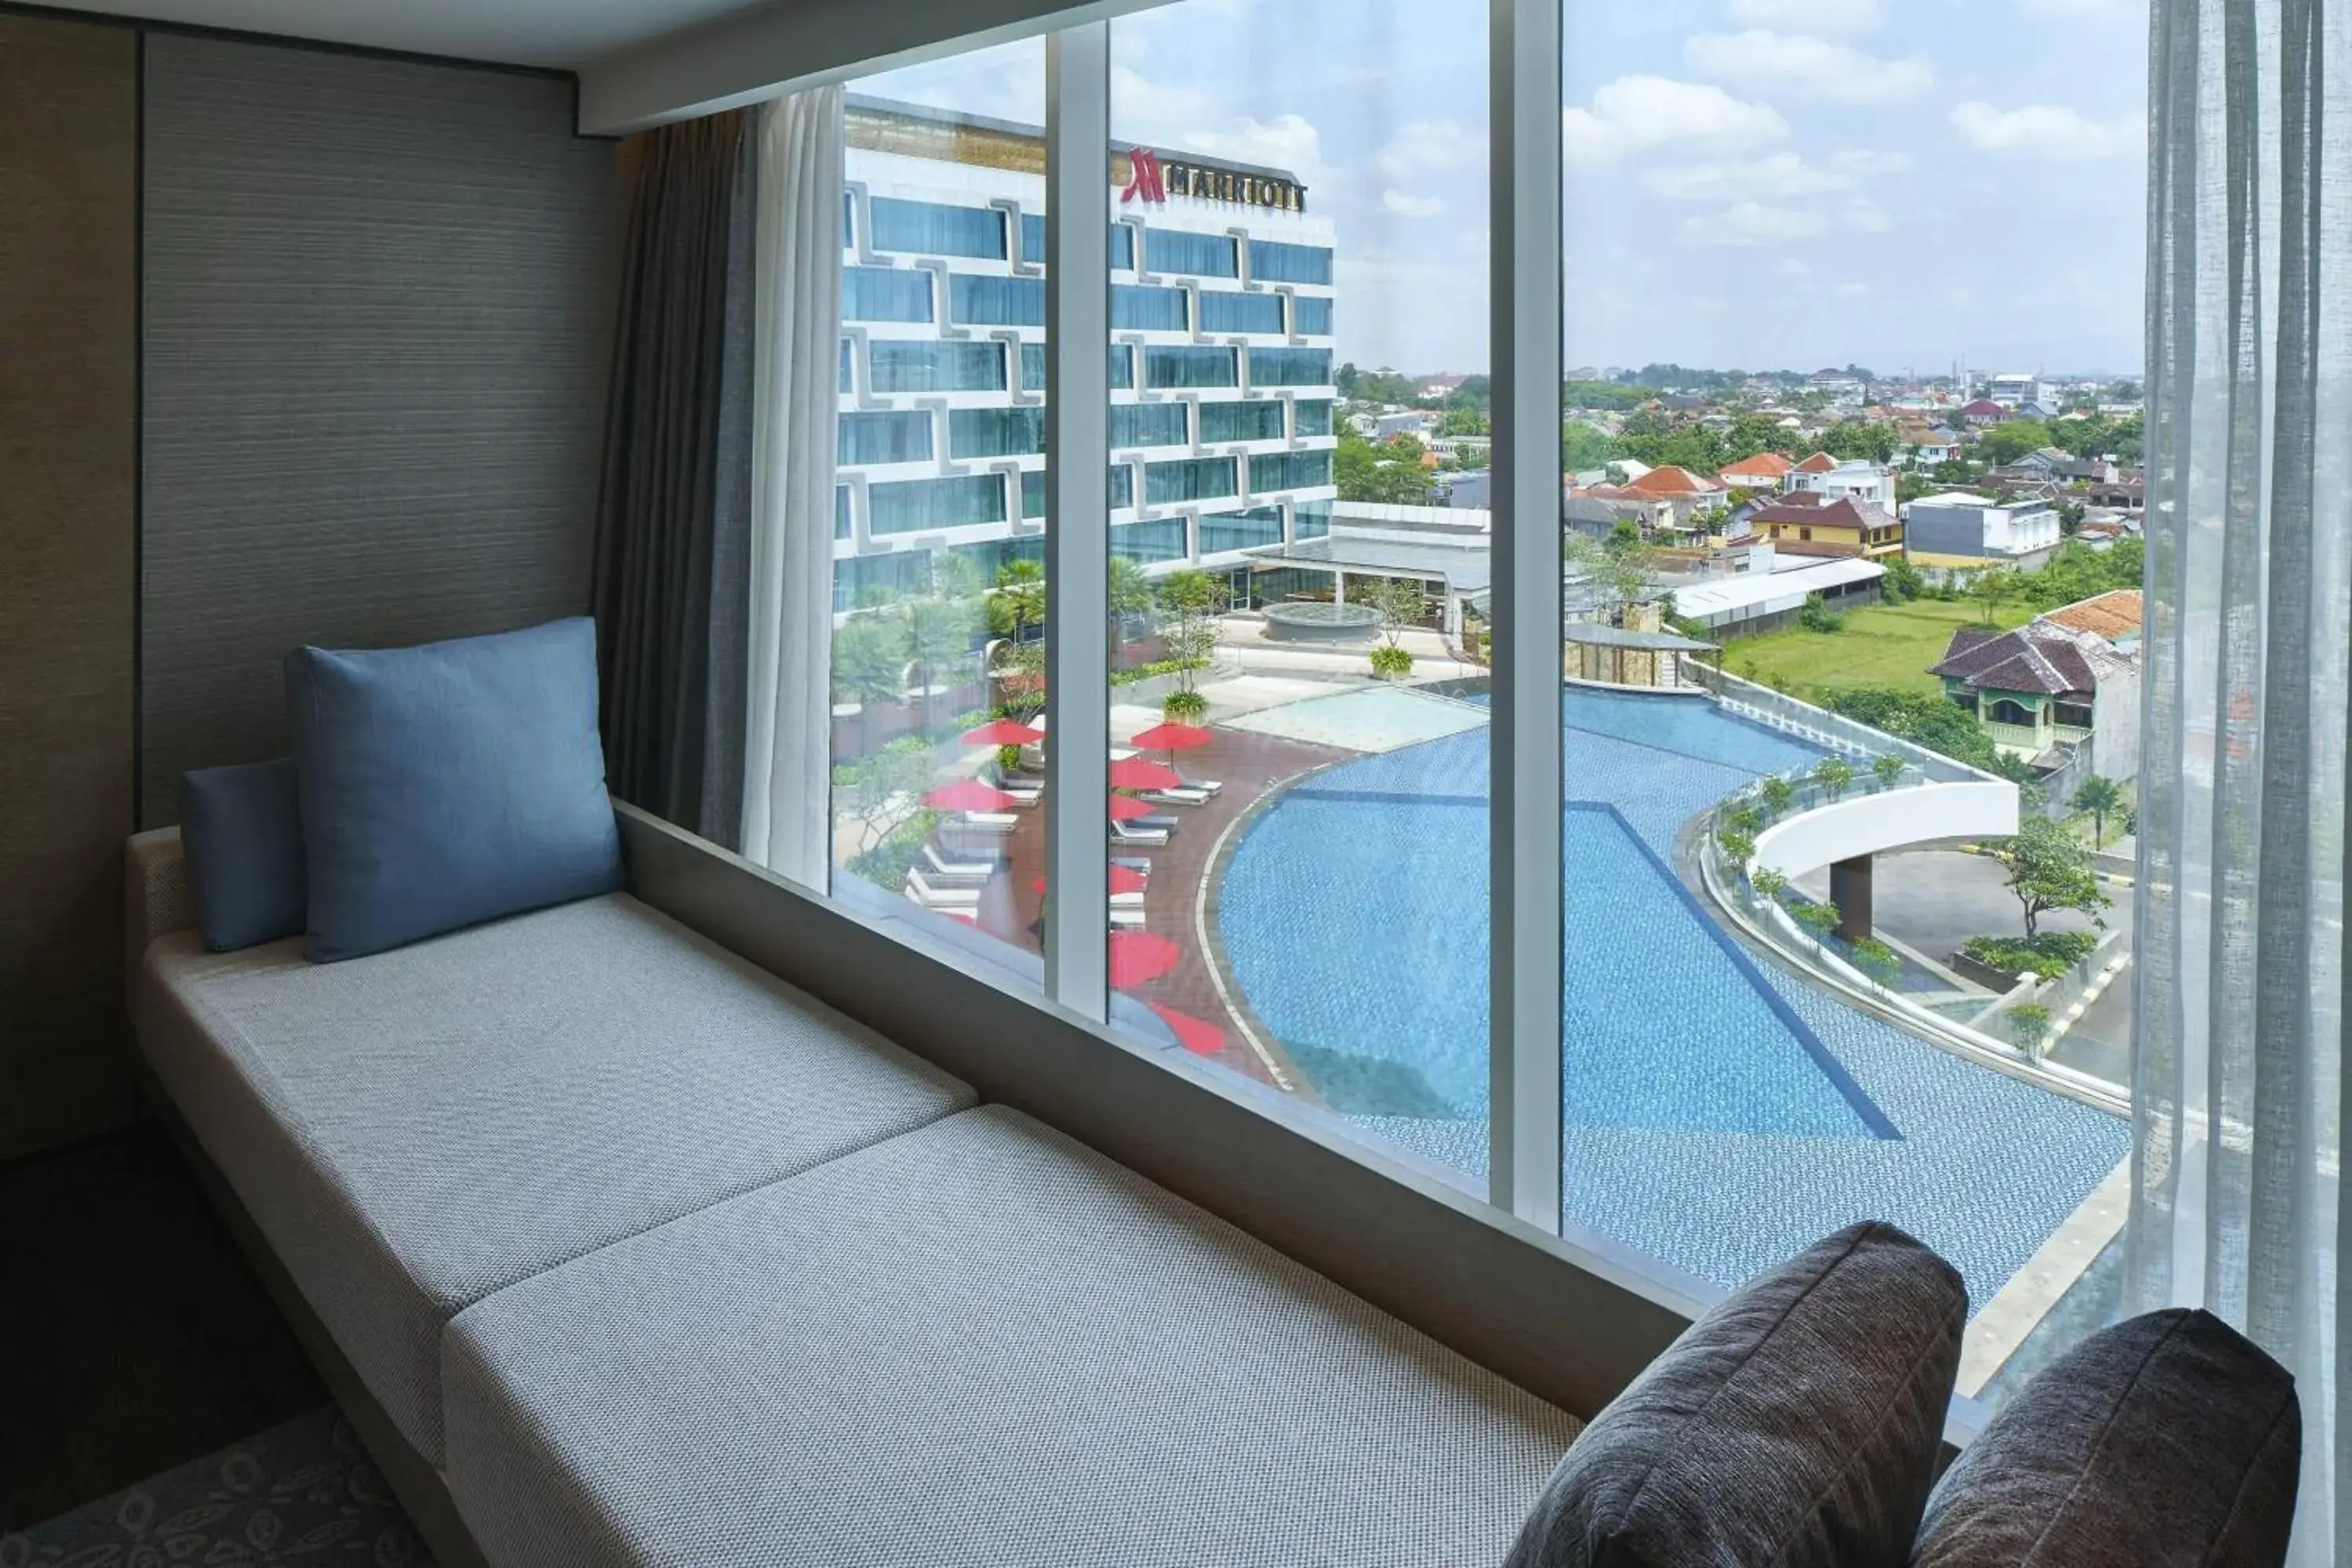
x,y
2114,615
1761,472
1674,483
1818,463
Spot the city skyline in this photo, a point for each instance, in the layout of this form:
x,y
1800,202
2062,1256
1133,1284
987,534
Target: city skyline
x,y
1787,184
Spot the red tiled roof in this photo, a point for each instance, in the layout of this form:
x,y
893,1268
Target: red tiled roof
x,y
1818,463
1819,511
2050,660
1662,483
2111,615
1762,466
1985,408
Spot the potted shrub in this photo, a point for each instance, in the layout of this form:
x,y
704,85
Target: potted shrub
x,y
1183,708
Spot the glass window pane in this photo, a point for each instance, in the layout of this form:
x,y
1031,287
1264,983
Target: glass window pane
x,y
929,642
1194,478
1822,478
1290,367
1122,248
1136,307
1224,311
1148,425
935,229
1306,896
1226,530
1149,543
848,381
979,300
930,366
913,506
995,432
885,294
1290,470
1273,261
883,438
1202,255
1122,485
1258,420
1122,368
1165,368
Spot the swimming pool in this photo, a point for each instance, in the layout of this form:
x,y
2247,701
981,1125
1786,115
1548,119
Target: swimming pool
x,y
1719,1113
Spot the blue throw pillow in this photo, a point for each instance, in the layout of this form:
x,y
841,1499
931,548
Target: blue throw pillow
x,y
449,785
241,830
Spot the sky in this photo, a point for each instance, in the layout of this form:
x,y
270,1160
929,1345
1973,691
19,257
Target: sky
x,y
1765,184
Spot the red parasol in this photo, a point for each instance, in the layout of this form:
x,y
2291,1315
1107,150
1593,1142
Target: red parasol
x,y
1137,772
1170,738
1137,956
1123,880
1127,808
1197,1035
969,795
1002,732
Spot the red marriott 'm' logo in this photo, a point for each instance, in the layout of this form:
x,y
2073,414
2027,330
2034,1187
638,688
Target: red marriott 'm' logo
x,y
1144,180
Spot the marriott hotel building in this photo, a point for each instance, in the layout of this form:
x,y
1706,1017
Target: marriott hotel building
x,y
1220,364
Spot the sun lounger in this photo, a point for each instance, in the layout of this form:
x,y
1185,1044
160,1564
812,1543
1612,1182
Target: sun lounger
x,y
956,865
1127,918
1141,832
1186,796
999,823
932,896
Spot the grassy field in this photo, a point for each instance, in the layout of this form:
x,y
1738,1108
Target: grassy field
x,y
1887,644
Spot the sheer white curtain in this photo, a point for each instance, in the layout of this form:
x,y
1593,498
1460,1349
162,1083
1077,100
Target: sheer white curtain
x,y
2237,1078
787,766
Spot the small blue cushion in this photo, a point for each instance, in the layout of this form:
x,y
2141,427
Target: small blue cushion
x,y
241,830
449,785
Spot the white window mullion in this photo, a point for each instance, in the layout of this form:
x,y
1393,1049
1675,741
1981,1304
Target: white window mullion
x,y
1525,1044
1077,513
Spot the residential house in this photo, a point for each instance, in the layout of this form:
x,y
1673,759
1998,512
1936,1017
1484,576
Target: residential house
x,y
2017,390
1404,422
1867,483
1687,496
1958,531
1812,523
2062,692
1764,472
1929,446
2127,492
1985,411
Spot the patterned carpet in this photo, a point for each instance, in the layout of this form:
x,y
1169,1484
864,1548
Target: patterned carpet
x,y
305,1492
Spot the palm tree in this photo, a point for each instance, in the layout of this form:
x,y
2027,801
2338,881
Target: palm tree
x,y
869,667
1018,602
938,634
2100,797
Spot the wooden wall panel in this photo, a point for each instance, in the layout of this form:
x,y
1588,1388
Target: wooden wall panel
x,y
68,209
379,301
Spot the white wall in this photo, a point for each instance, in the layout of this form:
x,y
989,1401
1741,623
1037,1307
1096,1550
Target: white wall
x,y
1889,819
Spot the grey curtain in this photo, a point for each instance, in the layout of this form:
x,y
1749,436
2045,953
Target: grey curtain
x,y
673,528
2238,1088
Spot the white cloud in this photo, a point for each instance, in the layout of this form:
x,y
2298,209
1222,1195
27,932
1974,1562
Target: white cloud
x,y
1815,15
1869,163
1755,223
1779,174
1634,113
1287,141
1401,206
1430,147
2100,9
2051,130
1791,268
1807,67
1854,291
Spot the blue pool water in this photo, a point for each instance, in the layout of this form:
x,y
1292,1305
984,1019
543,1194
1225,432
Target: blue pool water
x,y
1719,1114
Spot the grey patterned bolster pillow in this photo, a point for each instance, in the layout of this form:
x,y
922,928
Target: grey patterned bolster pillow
x,y
1797,1422
2167,1441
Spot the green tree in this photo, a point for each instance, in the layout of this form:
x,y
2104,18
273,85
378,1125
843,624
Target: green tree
x,y
869,666
1877,961
2004,444
1190,604
1887,767
1401,605
939,631
1819,920
2049,870
2102,797
1584,446
1817,617
1779,793
1769,884
882,793
1387,473
1860,439
2029,1026
1018,601
1903,580
1130,594
1835,774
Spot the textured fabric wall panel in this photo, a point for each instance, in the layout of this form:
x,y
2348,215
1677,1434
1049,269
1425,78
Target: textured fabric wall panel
x,y
69,162
379,298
